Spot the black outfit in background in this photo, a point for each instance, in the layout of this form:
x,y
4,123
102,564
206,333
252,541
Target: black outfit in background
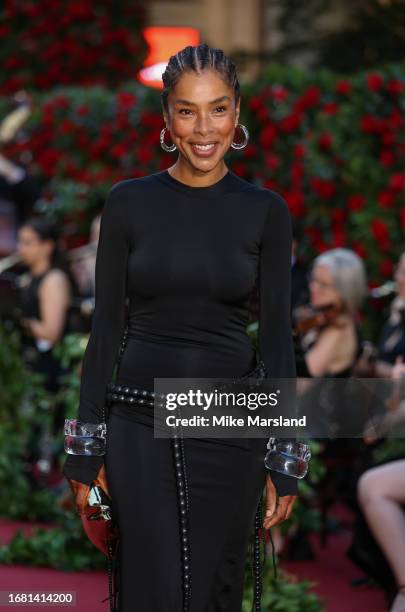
x,y
35,359
188,258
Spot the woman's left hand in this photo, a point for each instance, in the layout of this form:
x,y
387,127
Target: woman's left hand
x,y
278,509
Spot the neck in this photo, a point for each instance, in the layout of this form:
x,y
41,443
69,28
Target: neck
x,y
197,178
40,267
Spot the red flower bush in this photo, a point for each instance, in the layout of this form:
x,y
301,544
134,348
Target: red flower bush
x,y
46,43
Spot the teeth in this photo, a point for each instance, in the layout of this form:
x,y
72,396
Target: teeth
x,y
204,147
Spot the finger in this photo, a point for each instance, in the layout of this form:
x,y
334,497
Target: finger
x,y
271,498
290,507
279,514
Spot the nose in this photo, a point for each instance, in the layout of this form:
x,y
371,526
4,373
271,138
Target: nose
x,y
203,124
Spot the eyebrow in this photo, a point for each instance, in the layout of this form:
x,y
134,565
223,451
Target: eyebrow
x,y
216,101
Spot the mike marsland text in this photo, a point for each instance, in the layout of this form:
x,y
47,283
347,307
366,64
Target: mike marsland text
x,y
231,421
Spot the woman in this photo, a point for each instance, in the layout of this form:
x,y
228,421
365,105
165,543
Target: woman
x,y
45,293
338,287
186,244
337,283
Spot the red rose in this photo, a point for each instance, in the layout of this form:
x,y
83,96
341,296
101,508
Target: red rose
x,y
343,87
397,181
119,150
325,141
83,110
272,161
374,81
263,114
250,150
372,124
388,139
387,158
125,100
324,188
395,87
67,126
395,119
308,99
299,150
268,135
386,198
279,93
291,122
356,202
330,108
295,201
380,232
255,103
297,172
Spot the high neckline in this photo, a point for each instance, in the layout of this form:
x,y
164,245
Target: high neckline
x,y
222,186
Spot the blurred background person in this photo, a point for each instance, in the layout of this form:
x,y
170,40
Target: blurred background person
x,y
329,342
391,343
84,261
45,293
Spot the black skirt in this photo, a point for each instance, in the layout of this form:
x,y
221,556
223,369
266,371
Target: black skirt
x,y
225,482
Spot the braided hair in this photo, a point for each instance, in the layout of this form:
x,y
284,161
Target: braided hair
x,y
199,58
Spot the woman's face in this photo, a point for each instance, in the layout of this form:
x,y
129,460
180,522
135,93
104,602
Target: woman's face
x,y
399,276
30,247
202,118
322,288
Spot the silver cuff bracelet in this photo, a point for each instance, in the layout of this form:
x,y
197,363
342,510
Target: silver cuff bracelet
x,y
287,457
84,438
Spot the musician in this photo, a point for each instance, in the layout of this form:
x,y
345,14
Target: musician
x,y
338,286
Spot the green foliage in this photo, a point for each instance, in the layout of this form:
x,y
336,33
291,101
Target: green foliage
x,y
284,594
65,547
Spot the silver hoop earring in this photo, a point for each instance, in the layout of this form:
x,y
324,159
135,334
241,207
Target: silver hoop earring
x,y
164,146
241,145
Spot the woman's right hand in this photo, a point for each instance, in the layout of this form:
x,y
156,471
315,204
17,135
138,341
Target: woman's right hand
x,y
81,490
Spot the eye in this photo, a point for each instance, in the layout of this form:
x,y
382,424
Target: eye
x,y
187,110
220,108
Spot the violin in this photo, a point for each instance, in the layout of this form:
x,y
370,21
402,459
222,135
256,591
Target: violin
x,y
310,317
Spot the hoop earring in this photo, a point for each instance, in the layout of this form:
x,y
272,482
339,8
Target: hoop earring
x,y
241,145
164,146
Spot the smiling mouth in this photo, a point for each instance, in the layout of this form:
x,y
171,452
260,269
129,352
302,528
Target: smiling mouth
x,y
204,147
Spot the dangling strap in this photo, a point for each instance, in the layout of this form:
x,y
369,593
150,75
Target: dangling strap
x,y
256,568
112,567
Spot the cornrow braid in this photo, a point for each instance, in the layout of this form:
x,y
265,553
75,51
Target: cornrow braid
x,y
198,58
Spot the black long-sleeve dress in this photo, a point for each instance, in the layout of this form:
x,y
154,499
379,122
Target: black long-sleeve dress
x,y
188,259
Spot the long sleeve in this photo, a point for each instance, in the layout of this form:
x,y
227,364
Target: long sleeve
x,y
275,334
107,326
